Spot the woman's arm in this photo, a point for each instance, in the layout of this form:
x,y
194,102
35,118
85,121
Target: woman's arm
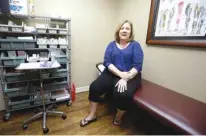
x,y
116,71
132,73
137,61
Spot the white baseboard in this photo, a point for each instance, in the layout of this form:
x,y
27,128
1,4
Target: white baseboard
x,y
82,89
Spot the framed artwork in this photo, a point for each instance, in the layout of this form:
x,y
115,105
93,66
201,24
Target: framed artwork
x,y
177,22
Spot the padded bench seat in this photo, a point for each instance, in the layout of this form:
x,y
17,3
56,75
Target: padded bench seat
x,y
177,110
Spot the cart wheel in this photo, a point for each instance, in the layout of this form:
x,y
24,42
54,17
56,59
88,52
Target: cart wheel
x,y
64,116
69,103
45,130
25,126
7,116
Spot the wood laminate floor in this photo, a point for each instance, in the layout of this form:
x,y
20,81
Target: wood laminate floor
x,y
77,111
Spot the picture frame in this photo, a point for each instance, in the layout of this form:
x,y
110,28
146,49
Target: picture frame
x,y
177,23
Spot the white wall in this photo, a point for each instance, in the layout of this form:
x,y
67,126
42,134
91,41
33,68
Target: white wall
x,y
179,68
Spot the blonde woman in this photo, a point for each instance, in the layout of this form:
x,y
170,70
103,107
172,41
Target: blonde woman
x,y
123,60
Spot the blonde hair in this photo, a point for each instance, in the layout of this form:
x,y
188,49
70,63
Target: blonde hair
x,y
116,35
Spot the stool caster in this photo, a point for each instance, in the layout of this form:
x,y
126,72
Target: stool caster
x,y
25,126
64,116
45,130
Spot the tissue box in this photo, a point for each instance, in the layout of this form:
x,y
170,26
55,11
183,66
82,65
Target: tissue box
x,y
18,7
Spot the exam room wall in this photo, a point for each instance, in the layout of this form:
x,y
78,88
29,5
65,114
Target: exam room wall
x,y
92,28
181,69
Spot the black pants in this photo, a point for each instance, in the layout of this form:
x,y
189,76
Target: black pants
x,y
106,82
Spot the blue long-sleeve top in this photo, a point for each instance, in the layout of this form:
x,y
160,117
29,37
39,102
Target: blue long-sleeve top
x,y
124,59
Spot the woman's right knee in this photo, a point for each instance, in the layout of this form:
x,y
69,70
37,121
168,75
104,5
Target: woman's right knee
x,y
93,88
94,92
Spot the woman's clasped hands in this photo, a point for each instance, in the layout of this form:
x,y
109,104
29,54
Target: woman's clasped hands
x,y
122,83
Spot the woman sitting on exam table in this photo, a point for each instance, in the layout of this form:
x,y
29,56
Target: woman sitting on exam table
x,y
123,60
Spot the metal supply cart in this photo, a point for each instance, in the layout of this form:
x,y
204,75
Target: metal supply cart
x,y
27,41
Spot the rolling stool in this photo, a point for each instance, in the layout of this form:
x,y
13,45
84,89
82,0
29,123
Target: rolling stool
x,y
45,112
